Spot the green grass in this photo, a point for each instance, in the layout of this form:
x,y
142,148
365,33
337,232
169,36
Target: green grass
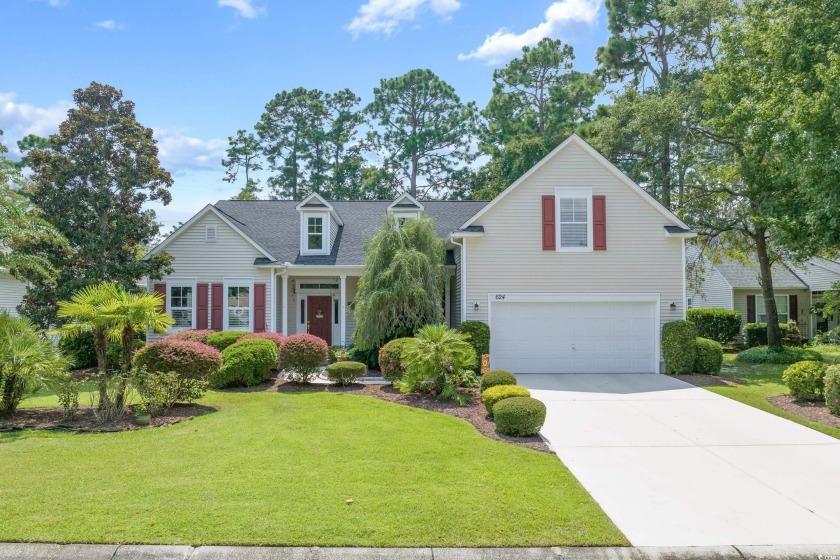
x,y
272,468
765,380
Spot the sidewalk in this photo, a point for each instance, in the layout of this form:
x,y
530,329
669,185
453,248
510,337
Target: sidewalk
x,y
22,551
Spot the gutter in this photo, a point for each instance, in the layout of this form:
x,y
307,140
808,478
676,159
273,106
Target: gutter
x,y
463,248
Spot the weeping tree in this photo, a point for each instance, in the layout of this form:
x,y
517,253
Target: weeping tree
x,y
402,282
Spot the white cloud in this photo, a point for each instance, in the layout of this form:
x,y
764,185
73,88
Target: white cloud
x,y
19,119
110,25
505,44
179,151
385,16
243,8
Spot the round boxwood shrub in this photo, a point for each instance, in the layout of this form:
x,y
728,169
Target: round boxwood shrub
x,y
390,359
222,339
832,389
519,416
196,335
678,346
497,377
500,392
720,325
787,355
346,373
274,337
246,363
805,380
188,359
479,338
302,356
708,356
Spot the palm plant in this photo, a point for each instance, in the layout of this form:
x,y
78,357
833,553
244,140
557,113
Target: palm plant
x,y
19,222
438,360
27,360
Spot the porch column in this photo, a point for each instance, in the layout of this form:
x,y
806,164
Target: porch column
x,y
446,302
285,295
342,311
272,323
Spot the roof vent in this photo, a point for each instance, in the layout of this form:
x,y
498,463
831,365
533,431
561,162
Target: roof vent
x,y
210,234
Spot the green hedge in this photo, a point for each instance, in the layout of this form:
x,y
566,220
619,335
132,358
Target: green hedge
x,y
832,389
497,377
479,338
805,380
222,339
346,373
755,334
246,363
500,392
720,325
678,346
519,416
763,355
708,356
81,351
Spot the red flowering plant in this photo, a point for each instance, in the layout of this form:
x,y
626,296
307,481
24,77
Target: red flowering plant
x,y
390,359
302,355
186,358
195,335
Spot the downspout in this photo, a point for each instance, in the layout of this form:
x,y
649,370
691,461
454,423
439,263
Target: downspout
x,y
463,247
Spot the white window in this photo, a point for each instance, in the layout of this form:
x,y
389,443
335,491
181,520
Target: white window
x,y
238,304
690,303
781,308
574,220
315,234
180,303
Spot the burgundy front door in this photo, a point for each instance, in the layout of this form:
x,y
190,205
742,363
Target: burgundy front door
x,y
319,317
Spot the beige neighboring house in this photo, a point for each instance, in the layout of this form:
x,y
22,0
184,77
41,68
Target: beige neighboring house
x,y
574,267
12,291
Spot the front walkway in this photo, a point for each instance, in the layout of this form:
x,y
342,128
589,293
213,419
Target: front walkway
x,y
676,465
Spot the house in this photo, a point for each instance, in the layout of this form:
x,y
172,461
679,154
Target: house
x,y
732,284
12,291
574,267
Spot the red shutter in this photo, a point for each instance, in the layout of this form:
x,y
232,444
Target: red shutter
x,y
548,224
201,306
216,309
793,312
750,309
259,307
599,222
161,289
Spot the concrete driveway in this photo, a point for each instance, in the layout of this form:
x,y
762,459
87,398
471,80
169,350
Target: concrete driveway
x,y
676,465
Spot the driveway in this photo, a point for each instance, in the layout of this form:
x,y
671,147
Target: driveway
x,y
676,465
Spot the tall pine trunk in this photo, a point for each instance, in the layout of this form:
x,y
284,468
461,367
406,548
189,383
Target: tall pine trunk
x,y
774,335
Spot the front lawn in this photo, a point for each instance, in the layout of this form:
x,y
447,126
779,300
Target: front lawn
x,y
278,469
761,381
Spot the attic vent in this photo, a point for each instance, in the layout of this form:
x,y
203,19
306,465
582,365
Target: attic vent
x,y
210,234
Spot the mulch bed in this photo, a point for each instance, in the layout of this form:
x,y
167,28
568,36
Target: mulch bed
x,y
815,411
85,420
474,413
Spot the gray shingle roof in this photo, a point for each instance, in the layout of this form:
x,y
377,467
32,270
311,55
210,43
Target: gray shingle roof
x,y
275,225
741,275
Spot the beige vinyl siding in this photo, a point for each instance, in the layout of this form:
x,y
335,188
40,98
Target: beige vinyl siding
x,y
456,290
229,256
803,315
714,291
639,258
11,293
819,278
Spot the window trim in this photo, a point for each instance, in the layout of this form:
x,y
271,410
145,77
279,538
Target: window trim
x,y
567,193
238,282
760,297
182,283
325,233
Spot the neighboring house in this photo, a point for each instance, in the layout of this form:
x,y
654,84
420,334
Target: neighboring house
x,y
574,267
734,285
12,291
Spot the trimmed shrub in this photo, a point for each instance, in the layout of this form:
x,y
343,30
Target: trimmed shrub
x,y
222,339
302,355
500,392
192,360
678,346
720,325
832,389
160,390
519,416
246,363
274,337
708,356
805,380
195,335
346,373
763,355
390,359
497,377
479,338
755,334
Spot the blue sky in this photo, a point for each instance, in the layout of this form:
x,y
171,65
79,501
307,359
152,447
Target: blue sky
x,y
200,69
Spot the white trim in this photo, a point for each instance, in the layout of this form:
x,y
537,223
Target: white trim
x,y
342,306
400,198
574,138
237,281
273,321
329,207
285,296
595,297
573,192
326,224
682,234
201,213
786,296
207,228
463,234
182,282
685,292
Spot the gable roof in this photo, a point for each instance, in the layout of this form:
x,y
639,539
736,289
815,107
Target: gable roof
x,y
577,140
275,225
405,202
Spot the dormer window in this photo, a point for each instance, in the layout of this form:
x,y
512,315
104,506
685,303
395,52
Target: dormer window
x,y
319,223
314,233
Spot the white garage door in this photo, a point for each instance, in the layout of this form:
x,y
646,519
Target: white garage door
x,y
573,337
